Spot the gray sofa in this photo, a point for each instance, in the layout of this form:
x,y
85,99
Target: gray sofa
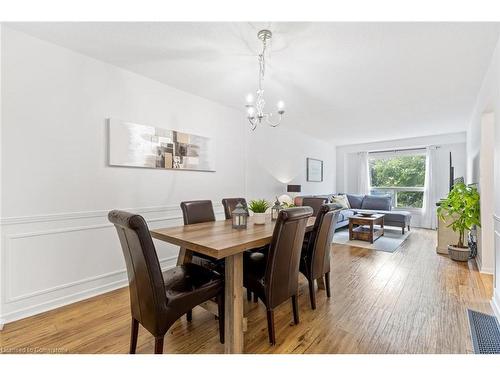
x,y
375,203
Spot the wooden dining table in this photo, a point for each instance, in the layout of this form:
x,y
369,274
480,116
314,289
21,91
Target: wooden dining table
x,y
219,240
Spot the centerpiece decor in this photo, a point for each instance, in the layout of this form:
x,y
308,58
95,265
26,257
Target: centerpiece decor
x,y
239,216
462,206
275,210
259,208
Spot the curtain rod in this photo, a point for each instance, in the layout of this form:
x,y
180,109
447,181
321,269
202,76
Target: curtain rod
x,y
400,149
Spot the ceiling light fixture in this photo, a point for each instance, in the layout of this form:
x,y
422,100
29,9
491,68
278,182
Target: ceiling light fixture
x,y
255,108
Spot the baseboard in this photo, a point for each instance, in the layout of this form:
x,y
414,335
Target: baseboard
x,y
485,270
495,303
71,298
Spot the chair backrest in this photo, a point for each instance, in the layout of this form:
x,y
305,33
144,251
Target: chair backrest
x,y
146,286
229,205
197,212
282,270
320,240
315,203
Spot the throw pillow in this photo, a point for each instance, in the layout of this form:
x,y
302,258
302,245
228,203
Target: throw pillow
x,y
341,200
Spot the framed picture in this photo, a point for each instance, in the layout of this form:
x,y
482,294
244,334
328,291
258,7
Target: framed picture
x,y
314,170
145,146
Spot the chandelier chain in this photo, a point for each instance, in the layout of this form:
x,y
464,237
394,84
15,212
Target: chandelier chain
x,y
256,109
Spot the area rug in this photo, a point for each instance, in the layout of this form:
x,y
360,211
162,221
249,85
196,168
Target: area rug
x,y
389,242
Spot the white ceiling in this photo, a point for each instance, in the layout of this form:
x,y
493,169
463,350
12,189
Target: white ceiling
x,y
346,82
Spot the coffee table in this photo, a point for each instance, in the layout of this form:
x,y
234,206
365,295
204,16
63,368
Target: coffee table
x,y
366,228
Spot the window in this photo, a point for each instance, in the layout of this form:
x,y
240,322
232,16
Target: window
x,y
399,174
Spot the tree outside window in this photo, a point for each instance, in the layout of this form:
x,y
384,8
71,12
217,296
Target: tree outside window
x,y
402,177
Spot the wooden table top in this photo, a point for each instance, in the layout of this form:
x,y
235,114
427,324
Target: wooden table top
x,y
373,217
218,239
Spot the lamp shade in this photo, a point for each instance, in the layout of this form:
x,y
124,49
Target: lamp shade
x,y
293,188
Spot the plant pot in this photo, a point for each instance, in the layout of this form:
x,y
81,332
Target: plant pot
x,y
460,254
259,218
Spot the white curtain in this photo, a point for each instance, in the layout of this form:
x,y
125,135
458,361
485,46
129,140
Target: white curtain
x,y
429,219
364,173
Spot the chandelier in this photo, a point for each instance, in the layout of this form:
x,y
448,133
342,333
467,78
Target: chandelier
x,y
255,107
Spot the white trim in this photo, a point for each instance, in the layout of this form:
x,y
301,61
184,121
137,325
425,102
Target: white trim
x,y
110,281
496,217
64,216
495,303
7,253
10,299
75,297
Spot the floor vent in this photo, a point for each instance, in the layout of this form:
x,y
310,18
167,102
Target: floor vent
x,y
485,332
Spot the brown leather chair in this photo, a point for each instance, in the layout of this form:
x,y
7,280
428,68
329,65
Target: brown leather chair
x,y
158,299
275,278
195,212
315,203
315,257
229,205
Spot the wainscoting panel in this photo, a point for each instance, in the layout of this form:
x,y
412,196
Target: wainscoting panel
x,y
49,261
496,292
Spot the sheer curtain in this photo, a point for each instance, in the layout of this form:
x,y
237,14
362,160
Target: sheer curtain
x,y
429,219
364,173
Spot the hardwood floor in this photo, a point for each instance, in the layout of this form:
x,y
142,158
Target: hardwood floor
x,y
410,301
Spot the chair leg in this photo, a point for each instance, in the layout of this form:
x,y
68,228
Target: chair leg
x,y
295,308
312,294
327,284
249,295
255,298
220,307
189,315
133,335
403,230
270,326
159,345
408,227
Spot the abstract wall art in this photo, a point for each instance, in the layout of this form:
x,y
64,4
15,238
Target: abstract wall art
x,y
145,146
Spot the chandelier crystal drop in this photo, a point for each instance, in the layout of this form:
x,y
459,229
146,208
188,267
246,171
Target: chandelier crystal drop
x,y
255,105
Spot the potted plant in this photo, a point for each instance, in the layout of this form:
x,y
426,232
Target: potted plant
x,y
462,206
259,208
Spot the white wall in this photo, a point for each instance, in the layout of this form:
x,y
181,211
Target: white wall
x,y
454,143
277,157
1,127
488,102
57,245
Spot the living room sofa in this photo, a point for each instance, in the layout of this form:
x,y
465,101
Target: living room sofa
x,y
381,204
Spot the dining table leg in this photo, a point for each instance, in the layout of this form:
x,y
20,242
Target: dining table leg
x,y
185,256
234,304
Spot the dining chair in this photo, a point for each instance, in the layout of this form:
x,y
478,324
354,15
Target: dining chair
x,y
229,205
315,256
195,212
315,203
158,299
275,278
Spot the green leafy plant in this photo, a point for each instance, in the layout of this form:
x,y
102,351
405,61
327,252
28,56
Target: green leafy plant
x,y
462,205
258,206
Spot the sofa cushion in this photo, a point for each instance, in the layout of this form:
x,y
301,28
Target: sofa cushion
x,y
376,202
345,215
355,200
341,200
